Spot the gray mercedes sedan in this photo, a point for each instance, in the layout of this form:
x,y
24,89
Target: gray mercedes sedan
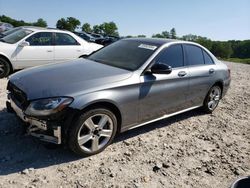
x,y
86,102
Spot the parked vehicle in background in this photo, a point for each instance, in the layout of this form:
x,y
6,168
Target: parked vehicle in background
x,y
5,26
132,82
85,36
107,40
97,36
33,46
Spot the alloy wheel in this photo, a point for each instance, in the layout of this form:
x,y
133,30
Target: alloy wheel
x,y
214,98
95,133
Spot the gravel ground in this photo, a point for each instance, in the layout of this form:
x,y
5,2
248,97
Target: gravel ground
x,y
189,150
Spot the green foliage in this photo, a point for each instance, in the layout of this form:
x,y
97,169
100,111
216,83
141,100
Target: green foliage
x,y
166,34
106,28
241,49
173,33
69,24
237,60
87,28
141,36
40,23
16,23
222,49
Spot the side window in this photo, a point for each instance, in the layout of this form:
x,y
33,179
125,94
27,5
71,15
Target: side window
x,y
40,39
207,58
65,39
194,55
172,56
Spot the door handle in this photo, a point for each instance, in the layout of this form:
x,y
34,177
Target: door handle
x,y
182,73
49,50
211,71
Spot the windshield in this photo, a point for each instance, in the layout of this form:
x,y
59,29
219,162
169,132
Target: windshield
x,y
125,54
5,33
16,36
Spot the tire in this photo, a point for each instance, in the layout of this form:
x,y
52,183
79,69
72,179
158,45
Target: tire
x,y
93,132
4,68
212,99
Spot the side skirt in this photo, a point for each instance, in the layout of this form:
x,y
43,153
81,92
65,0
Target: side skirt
x,y
160,118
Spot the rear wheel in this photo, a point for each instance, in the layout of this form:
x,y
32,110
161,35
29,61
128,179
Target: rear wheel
x,y
93,132
212,99
4,68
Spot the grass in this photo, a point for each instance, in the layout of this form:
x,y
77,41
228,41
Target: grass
x,y
237,60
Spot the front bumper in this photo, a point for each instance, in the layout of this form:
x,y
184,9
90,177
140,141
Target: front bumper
x,y
37,128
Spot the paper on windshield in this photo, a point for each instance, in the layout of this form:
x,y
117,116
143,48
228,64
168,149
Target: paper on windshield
x,y
146,46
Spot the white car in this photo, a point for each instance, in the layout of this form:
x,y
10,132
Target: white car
x,y
28,47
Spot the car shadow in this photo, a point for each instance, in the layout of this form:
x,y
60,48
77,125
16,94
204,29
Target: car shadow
x,y
19,152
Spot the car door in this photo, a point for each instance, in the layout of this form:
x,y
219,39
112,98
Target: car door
x,y
39,50
66,47
164,93
201,71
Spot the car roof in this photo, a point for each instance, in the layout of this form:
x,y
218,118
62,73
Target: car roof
x,y
160,41
34,28
156,41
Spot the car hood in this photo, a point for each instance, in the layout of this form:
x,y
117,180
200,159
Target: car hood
x,y
71,78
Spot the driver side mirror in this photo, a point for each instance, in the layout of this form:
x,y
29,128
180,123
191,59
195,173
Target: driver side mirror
x,y
24,43
160,68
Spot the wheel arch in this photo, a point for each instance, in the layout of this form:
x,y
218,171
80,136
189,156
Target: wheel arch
x,y
103,104
220,84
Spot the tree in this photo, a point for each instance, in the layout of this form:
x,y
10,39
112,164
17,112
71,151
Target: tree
x,y
141,36
158,35
106,28
189,37
97,29
173,33
221,49
87,28
163,34
40,23
69,24
204,42
166,34
109,28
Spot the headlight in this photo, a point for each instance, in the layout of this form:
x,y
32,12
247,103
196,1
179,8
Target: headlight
x,y
45,107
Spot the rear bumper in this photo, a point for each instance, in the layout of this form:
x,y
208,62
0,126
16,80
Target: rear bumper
x,y
40,129
226,85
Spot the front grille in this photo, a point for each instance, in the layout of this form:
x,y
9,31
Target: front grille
x,y
17,95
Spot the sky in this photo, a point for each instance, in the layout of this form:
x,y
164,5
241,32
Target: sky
x,y
215,19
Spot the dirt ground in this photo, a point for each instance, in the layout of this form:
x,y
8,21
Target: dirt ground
x,y
189,150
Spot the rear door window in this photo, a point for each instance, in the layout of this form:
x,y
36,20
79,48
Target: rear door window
x,y
194,55
65,39
207,58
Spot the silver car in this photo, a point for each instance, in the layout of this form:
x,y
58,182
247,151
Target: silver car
x,y
86,102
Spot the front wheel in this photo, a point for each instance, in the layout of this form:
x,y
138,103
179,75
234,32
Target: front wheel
x,y
93,132
212,99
